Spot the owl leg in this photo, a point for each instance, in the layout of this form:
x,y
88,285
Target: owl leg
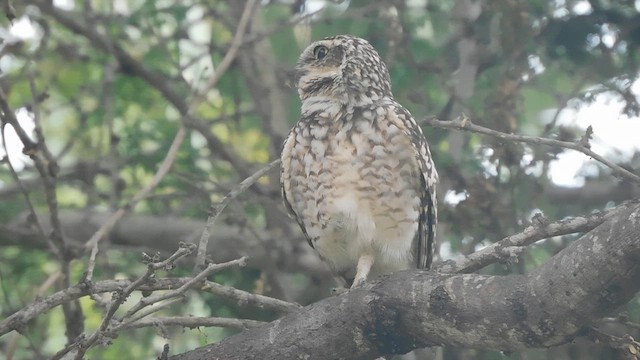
x,y
362,271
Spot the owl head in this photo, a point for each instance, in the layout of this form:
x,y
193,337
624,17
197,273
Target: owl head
x,y
345,68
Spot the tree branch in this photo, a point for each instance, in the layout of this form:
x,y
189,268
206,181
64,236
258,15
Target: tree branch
x,y
464,123
19,320
216,209
412,309
506,248
165,166
161,82
194,322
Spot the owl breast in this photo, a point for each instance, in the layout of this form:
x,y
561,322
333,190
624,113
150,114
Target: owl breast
x,y
355,183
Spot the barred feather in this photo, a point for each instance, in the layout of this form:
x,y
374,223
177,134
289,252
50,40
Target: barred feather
x,y
357,174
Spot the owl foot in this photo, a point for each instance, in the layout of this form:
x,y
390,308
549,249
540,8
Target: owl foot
x,y
358,282
362,271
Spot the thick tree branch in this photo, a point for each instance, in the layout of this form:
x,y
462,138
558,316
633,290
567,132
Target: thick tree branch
x,y
406,310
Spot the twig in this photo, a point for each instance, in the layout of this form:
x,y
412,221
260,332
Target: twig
x,y
112,156
246,298
291,21
464,123
37,129
47,169
121,296
74,318
194,322
20,318
155,79
164,168
622,319
149,311
23,189
511,245
216,209
629,347
31,148
229,56
196,280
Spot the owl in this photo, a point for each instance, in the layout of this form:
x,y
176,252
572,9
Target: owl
x,y
357,174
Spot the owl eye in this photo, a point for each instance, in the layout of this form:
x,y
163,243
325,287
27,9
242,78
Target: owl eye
x,y
320,52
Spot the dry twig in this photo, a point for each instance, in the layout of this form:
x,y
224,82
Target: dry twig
x,y
464,123
102,232
246,298
103,332
216,209
512,245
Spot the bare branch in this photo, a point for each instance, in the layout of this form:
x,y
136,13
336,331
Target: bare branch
x,y
47,169
150,310
621,319
155,79
46,172
464,123
164,168
230,55
196,280
246,298
161,233
503,249
20,319
22,188
82,345
216,209
626,345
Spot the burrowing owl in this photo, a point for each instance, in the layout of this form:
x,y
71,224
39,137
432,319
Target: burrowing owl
x,y
357,174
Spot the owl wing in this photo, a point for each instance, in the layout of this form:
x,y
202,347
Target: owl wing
x,y
285,179
424,241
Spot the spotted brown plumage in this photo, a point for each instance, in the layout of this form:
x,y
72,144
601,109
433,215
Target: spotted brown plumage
x,y
357,174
